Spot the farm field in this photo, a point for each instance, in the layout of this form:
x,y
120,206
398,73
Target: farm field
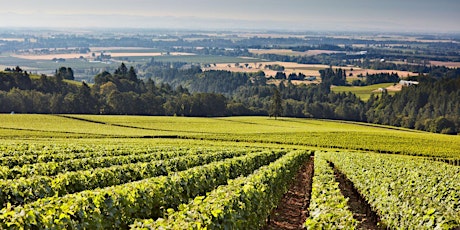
x,y
195,59
44,63
254,66
364,92
115,54
291,67
291,52
446,64
143,172
49,66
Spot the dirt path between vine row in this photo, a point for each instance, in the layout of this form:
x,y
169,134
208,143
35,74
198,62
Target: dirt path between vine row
x,y
292,210
362,211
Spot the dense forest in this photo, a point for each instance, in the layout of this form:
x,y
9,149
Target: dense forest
x,y
433,106
185,90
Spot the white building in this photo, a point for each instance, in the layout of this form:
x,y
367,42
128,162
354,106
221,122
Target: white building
x,y
408,83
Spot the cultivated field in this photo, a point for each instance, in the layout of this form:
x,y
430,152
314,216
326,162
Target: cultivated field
x,y
358,71
88,55
118,172
43,63
364,92
254,66
446,64
291,52
306,69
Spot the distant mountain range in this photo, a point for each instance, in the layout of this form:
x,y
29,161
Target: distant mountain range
x,y
200,23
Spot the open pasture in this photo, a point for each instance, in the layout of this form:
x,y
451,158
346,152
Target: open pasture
x,y
364,92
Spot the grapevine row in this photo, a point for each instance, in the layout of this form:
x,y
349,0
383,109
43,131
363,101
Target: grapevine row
x,y
117,206
404,143
54,168
406,192
42,150
59,155
244,203
25,190
452,161
328,207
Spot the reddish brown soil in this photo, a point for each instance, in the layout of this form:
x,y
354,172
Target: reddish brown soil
x,y
362,211
293,208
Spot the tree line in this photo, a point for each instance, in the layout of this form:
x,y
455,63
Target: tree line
x,y
372,79
182,90
120,92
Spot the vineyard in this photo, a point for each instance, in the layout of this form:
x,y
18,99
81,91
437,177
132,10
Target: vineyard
x,y
120,172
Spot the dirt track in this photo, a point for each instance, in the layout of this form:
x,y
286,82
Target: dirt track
x,y
293,209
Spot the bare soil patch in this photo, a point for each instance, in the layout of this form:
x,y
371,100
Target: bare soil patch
x,y
292,210
446,64
362,211
292,67
289,67
394,88
358,71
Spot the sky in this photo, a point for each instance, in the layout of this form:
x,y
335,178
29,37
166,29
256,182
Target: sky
x,y
292,15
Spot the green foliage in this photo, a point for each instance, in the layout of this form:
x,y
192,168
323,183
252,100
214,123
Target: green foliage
x,y
53,168
64,73
333,77
431,106
372,79
328,207
149,192
363,92
117,206
275,67
253,130
276,108
406,192
24,190
224,82
244,203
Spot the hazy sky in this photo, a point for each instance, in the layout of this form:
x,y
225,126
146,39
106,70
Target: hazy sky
x,y
369,15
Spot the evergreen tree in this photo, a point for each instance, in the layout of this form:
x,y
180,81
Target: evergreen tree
x,y
122,70
132,76
276,108
64,73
